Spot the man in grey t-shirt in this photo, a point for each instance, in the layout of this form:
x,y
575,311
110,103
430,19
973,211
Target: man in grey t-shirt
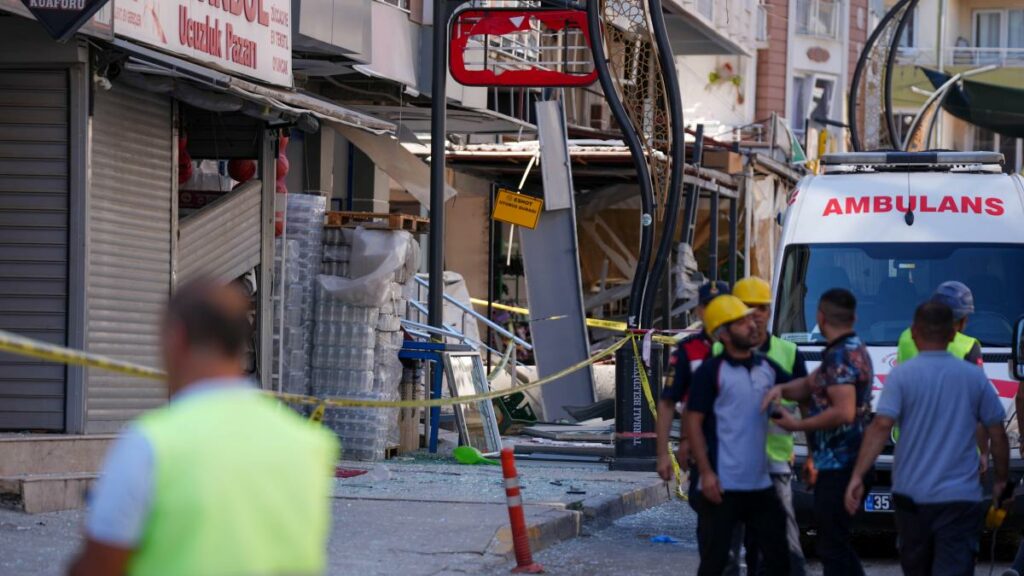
x,y
938,400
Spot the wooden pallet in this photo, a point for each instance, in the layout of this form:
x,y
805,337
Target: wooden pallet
x,y
378,221
391,452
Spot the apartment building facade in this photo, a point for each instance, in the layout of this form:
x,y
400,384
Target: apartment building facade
x,y
806,64
955,36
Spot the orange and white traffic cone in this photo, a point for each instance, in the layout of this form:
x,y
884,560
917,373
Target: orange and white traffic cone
x,y
516,517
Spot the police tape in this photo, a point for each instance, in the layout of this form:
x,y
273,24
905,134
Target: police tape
x,y
591,322
610,325
439,402
22,346
652,405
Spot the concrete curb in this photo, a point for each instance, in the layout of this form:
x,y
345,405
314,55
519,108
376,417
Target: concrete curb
x,y
590,513
607,510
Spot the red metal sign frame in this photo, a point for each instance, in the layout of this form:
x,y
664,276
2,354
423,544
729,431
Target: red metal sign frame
x,y
501,21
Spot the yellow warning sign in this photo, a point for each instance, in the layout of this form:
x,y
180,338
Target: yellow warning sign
x,y
518,209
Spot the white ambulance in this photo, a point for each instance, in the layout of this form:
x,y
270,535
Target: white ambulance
x,y
890,227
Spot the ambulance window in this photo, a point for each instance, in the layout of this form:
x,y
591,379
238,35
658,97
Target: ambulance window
x,y
890,280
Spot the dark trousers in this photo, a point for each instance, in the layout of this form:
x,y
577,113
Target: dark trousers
x,y
835,547
939,539
762,515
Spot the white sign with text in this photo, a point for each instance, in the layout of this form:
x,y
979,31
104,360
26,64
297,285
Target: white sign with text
x,y
249,37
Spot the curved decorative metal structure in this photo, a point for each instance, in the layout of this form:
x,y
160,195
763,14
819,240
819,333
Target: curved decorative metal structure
x,y
877,60
677,150
623,50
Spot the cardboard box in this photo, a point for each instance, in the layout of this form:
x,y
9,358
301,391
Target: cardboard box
x,y
724,160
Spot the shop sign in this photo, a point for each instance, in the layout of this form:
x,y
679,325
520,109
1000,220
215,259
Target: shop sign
x,y
248,37
519,209
63,18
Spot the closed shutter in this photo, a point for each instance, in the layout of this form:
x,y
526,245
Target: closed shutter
x,y
222,241
129,246
34,196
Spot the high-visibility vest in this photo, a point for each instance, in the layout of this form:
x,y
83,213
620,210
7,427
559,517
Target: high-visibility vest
x,y
241,485
906,349
960,347
779,443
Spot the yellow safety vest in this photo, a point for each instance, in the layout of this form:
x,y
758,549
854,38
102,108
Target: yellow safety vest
x,y
241,486
960,347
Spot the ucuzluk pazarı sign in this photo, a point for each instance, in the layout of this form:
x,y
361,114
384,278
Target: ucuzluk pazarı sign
x,y
248,37
62,18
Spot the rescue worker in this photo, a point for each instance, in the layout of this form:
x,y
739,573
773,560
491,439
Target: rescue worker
x,y
691,351
960,300
728,433
757,294
224,479
840,403
938,400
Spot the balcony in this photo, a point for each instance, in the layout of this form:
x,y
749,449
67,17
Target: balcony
x,y
975,57
710,27
817,18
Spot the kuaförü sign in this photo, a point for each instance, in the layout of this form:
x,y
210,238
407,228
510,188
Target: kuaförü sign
x,y
62,18
248,37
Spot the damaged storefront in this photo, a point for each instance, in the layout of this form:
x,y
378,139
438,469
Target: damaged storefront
x,y
130,163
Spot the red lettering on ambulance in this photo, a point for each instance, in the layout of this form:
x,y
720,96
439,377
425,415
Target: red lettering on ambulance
x,y
948,205
969,204
994,206
906,204
832,207
858,205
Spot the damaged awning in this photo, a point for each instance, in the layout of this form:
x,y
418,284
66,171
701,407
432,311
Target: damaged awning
x,y
216,91
594,162
404,167
458,119
990,106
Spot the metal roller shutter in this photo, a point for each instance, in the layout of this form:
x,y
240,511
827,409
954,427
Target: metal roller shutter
x,y
222,241
34,201
129,247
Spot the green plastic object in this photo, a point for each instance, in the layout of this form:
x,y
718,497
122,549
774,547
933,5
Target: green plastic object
x,y
471,456
514,409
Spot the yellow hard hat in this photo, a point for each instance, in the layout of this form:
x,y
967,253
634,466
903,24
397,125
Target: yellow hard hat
x,y
753,291
723,310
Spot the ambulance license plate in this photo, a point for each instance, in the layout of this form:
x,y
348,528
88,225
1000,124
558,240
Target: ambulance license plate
x,y
878,502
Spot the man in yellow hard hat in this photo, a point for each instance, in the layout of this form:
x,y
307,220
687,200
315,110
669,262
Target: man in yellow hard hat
x,y
728,433
223,480
757,294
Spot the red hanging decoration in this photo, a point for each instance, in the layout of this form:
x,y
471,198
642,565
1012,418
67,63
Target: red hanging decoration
x,y
242,170
184,161
281,186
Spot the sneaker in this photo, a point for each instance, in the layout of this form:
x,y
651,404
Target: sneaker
x,y
1010,572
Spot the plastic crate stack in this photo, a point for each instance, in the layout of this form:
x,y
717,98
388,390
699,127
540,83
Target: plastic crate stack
x,y
297,257
387,367
343,367
356,345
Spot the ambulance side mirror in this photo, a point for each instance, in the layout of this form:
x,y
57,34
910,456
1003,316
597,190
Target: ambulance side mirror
x,y
1017,351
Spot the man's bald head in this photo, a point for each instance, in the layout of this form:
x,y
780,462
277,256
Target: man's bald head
x,y
206,328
